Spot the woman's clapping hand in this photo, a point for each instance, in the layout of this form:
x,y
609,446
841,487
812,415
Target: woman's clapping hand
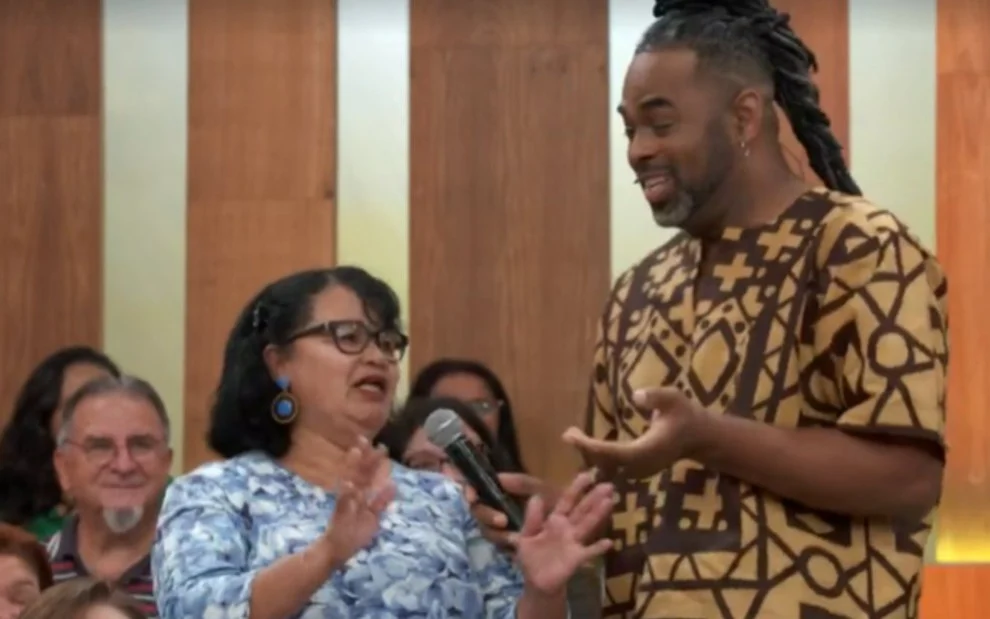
x,y
550,548
366,491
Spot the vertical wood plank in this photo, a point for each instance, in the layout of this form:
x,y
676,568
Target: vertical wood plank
x,y
262,168
963,192
509,199
824,28
962,218
51,189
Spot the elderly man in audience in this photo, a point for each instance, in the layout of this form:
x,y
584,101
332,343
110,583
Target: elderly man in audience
x,y
112,459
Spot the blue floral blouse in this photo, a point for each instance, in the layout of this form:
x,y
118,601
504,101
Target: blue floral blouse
x,y
224,522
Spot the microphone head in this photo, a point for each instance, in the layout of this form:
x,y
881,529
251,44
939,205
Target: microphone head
x,y
443,427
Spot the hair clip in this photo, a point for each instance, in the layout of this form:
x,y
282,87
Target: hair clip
x,y
259,317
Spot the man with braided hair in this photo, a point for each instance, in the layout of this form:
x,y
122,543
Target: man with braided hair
x,y
769,386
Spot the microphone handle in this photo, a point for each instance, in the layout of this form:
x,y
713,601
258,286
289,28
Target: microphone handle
x,y
483,479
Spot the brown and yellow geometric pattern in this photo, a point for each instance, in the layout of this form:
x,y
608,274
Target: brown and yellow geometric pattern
x,y
834,316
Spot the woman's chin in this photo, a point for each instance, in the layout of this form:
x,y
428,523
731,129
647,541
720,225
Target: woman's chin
x,y
369,418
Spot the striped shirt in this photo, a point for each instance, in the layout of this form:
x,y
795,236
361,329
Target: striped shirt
x,y
67,564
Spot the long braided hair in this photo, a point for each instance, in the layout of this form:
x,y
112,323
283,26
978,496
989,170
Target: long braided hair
x,y
748,35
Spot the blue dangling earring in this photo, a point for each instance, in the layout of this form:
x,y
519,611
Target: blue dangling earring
x,y
285,408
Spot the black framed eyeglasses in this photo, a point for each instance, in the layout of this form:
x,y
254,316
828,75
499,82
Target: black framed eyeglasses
x,y
352,337
485,408
435,463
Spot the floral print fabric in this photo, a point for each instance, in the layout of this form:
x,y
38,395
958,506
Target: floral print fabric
x,y
223,523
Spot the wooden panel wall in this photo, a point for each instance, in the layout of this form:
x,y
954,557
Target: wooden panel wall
x,y
963,218
262,169
509,204
954,592
824,28
50,183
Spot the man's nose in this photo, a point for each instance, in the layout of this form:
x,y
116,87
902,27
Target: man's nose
x,y
642,148
123,461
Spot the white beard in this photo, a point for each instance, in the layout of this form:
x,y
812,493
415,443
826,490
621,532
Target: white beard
x,y
121,520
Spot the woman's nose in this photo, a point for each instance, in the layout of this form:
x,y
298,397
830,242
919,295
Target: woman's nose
x,y
374,355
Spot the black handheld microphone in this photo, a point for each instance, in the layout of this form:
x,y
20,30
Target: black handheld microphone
x,y
443,429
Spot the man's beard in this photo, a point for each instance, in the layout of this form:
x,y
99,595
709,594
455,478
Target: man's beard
x,y
123,519
678,211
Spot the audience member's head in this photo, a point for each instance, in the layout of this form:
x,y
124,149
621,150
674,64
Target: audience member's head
x,y
317,351
407,442
28,485
113,455
83,598
24,570
477,385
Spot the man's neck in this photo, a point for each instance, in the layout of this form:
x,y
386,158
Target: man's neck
x,y
754,198
108,555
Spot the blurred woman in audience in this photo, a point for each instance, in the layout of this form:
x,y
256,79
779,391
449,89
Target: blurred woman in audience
x,y
406,440
407,443
305,518
83,598
30,495
24,570
477,385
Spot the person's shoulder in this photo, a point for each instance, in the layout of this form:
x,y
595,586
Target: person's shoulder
x,y
221,477
673,249
667,255
849,217
856,232
216,470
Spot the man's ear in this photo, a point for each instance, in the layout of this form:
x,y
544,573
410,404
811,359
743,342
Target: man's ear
x,y
748,111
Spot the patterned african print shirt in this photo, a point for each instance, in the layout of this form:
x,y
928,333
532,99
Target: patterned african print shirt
x,y
223,523
833,315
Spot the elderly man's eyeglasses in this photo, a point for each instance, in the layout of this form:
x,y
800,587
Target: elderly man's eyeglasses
x,y
102,450
352,337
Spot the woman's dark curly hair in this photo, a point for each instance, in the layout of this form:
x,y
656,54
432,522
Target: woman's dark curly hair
x,y
28,485
404,424
429,376
240,417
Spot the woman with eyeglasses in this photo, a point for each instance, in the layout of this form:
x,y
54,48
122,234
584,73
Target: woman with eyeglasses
x,y
405,438
479,387
305,518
